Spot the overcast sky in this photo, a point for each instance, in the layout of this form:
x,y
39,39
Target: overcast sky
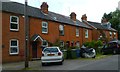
x,y
94,9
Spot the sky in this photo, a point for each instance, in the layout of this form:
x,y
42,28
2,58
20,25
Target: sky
x,y
94,9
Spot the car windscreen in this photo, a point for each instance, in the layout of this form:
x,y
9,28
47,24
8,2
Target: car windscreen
x,y
50,50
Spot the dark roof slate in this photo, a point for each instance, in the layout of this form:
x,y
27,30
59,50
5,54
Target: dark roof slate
x,y
18,8
100,26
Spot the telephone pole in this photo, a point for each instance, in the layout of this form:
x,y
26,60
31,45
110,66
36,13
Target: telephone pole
x,y
26,35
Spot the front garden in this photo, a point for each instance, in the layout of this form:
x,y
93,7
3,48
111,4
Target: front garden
x,y
73,52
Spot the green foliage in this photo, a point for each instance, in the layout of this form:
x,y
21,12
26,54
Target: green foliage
x,y
90,44
93,44
74,47
98,43
104,38
107,16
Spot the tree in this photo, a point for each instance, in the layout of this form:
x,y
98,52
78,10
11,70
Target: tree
x,y
114,19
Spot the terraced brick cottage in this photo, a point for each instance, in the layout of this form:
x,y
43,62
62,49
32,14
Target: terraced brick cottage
x,y
102,31
45,28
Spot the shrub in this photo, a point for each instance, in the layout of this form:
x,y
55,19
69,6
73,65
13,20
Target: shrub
x,y
98,43
95,45
74,47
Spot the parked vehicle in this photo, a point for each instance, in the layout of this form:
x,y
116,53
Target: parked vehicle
x,y
113,47
87,52
52,54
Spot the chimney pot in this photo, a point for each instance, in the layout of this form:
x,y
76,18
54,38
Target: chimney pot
x,y
84,17
73,16
44,7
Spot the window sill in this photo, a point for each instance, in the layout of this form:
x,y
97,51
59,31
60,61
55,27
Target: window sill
x,y
14,30
44,32
61,35
14,54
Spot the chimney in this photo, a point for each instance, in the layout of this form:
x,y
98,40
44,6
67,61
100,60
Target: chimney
x,y
44,7
84,17
73,16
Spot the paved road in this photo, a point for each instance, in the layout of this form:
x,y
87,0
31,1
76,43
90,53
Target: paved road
x,y
107,63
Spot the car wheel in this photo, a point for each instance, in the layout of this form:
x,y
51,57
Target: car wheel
x,y
114,52
60,63
94,57
43,64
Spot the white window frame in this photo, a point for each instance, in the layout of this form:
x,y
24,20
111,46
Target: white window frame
x,y
61,28
17,23
45,45
86,33
77,32
110,34
115,33
14,46
44,26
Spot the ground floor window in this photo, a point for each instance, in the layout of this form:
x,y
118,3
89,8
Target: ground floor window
x,y
44,43
14,49
61,44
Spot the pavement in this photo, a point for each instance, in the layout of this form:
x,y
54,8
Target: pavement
x,y
34,65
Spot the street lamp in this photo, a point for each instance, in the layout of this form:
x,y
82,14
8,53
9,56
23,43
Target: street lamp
x,y
26,35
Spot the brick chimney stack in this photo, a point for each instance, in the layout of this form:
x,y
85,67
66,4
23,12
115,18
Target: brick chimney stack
x,y
73,16
84,17
44,7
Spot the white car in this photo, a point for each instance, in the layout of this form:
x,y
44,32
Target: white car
x,y
52,54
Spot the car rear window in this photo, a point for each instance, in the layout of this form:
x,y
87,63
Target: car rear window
x,y
114,44
51,50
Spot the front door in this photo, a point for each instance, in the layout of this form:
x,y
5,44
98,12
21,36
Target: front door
x,y
34,50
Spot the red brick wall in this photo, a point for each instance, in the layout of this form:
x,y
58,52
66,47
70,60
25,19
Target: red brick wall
x,y
89,36
35,28
7,35
53,32
95,34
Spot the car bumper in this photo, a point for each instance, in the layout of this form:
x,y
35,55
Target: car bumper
x,y
51,59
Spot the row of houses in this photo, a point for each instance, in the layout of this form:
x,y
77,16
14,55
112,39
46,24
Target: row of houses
x,y
44,28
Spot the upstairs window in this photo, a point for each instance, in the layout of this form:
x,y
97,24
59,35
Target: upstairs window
x,y
61,30
14,49
86,33
110,34
44,27
77,32
14,23
114,34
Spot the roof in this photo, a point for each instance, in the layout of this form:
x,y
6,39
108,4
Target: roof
x,y
100,26
35,37
18,8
